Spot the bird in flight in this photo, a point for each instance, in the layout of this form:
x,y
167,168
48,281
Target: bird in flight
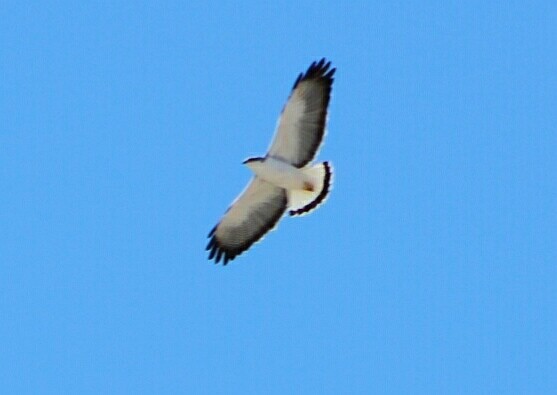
x,y
284,179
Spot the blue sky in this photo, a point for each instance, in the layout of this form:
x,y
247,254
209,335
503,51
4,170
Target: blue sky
x,y
431,268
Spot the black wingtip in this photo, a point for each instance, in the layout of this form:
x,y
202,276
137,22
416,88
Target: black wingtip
x,y
210,244
213,252
297,80
317,70
217,252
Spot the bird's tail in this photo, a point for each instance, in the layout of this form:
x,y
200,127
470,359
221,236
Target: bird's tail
x,y
304,201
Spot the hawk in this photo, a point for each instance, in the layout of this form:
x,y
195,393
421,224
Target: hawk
x,y
284,179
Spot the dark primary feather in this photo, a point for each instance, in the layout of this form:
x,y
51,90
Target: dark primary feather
x,y
317,70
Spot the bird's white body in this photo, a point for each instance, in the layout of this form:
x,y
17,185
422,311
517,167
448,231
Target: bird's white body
x,y
281,174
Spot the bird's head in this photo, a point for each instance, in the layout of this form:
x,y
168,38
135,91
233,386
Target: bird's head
x,y
252,162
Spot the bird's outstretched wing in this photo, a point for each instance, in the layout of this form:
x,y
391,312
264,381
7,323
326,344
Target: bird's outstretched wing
x,y
301,126
254,213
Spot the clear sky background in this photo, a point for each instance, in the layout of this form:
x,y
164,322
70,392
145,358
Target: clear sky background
x,y
431,268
